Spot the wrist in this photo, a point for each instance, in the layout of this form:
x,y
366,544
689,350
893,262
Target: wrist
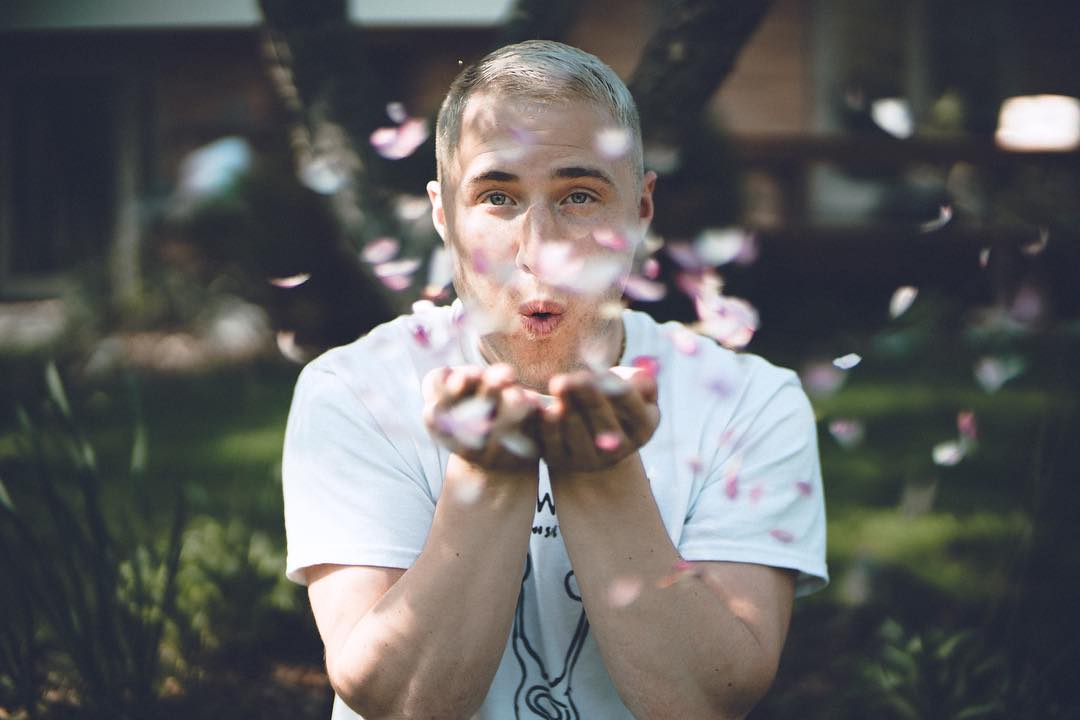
x,y
617,479
470,480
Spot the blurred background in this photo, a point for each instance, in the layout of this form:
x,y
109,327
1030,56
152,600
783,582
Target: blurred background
x,y
196,198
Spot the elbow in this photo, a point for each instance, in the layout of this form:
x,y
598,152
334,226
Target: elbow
x,y
734,697
379,696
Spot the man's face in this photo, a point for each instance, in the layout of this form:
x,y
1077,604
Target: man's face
x,y
541,222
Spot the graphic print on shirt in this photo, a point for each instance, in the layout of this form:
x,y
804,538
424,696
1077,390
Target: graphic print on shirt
x,y
538,694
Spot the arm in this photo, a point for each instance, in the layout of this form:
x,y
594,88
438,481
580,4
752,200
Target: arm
x,y
707,648
426,642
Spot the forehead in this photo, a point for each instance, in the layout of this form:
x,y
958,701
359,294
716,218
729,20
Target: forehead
x,y
521,130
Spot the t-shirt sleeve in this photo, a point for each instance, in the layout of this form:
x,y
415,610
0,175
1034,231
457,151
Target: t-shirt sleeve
x,y
761,500
351,498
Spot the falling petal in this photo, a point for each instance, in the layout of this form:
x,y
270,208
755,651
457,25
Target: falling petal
x,y
648,363
286,342
644,290
467,491
380,250
984,257
613,142
782,535
901,300
684,340
730,321
846,362
684,254
420,335
993,372
822,379
945,213
804,488
847,433
290,282
560,265
949,453
623,591
467,422
396,112
406,266
611,240
608,441
650,268
965,423
1035,247
719,246
519,445
397,283
395,143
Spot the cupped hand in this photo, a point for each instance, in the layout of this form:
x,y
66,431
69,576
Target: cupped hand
x,y
597,420
482,415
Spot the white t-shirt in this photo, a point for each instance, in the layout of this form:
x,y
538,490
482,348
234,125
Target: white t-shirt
x,y
733,466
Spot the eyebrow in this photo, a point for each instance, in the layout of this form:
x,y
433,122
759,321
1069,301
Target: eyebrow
x,y
562,173
582,172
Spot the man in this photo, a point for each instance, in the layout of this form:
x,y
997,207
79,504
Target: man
x,y
424,463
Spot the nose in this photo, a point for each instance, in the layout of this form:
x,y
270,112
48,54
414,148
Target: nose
x,y
539,226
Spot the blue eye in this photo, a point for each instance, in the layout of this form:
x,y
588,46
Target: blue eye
x,y
579,198
498,198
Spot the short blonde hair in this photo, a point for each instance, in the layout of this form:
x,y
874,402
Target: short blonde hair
x,y
542,70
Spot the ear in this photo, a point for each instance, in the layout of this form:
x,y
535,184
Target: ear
x,y
438,214
645,202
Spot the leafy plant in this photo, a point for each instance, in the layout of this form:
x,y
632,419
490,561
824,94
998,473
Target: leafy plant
x,y
85,595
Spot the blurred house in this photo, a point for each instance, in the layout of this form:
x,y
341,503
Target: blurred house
x,y
846,116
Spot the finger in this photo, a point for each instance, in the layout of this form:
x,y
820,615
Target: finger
x,y
463,381
636,417
598,415
433,383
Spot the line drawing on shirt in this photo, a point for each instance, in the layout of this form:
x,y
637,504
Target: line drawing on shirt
x,y
550,698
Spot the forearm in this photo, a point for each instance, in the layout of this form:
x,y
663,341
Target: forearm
x,y
431,645
678,651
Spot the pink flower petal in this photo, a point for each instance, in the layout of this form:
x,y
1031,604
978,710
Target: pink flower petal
x,y
782,535
648,363
822,379
965,423
650,268
380,250
611,240
644,290
290,282
395,143
847,433
608,441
